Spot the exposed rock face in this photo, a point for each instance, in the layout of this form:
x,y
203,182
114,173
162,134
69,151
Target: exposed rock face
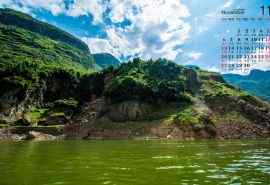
x,y
38,136
3,134
192,81
238,130
257,114
128,111
15,100
82,124
91,111
11,96
31,133
54,120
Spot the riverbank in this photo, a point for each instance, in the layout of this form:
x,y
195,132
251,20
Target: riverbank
x,y
158,129
31,133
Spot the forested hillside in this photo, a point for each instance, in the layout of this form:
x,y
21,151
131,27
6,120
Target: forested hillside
x,y
256,83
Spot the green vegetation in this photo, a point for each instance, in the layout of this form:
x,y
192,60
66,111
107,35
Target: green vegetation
x,y
148,81
35,55
27,51
188,116
19,19
106,60
212,89
256,83
35,114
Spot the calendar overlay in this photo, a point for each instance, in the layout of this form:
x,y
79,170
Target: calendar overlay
x,y
246,49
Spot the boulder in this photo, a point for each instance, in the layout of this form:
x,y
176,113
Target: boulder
x,y
129,111
54,119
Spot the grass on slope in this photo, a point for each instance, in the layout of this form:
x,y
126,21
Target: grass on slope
x,y
19,46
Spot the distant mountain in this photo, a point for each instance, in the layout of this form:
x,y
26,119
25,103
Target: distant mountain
x,y
192,67
105,60
256,83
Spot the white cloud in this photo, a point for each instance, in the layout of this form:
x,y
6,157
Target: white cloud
x,y
84,7
54,6
154,11
5,3
188,58
213,69
157,27
195,55
211,19
228,3
97,45
11,4
77,8
262,65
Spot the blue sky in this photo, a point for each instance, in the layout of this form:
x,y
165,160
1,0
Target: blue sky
x,y
186,31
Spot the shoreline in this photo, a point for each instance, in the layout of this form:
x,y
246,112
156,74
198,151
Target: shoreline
x,y
156,132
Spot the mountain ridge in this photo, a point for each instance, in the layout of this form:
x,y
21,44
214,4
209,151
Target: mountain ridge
x,y
256,83
106,60
15,18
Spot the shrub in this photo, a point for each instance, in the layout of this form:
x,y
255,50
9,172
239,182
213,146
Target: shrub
x,y
188,116
126,88
170,90
21,122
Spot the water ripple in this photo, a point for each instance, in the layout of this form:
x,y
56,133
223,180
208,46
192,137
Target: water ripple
x,y
169,167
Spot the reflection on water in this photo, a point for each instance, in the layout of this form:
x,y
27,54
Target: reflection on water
x,y
135,162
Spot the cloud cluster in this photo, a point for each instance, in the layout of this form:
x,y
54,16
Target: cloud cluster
x,y
54,6
152,29
157,27
85,7
188,58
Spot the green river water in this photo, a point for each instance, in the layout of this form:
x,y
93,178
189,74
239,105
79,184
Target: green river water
x,y
135,162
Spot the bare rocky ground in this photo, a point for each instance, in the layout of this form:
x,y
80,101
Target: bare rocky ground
x,y
97,120
153,130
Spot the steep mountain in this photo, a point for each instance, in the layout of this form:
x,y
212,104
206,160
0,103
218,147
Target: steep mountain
x,y
256,83
38,62
21,20
106,60
25,40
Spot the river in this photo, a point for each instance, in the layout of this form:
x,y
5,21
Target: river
x,y
118,162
